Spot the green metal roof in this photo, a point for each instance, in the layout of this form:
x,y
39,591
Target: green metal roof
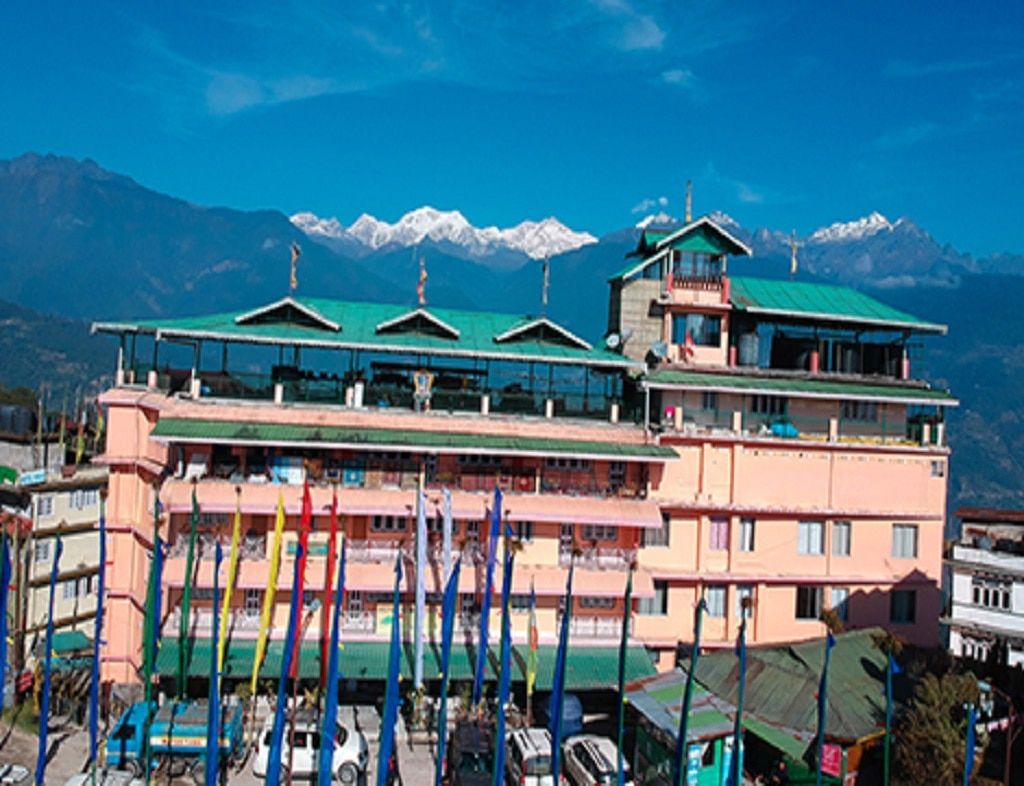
x,y
587,668
184,429
378,327
829,302
701,236
799,387
660,701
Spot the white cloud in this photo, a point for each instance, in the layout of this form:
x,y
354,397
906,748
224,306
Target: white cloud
x,y
642,32
649,203
680,77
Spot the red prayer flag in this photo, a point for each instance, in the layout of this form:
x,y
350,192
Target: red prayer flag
x,y
325,616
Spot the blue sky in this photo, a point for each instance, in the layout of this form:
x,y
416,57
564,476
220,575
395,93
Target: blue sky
x,y
785,114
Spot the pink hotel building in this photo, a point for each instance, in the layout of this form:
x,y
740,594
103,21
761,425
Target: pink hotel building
x,y
730,437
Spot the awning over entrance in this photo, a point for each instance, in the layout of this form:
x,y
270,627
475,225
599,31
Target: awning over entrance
x,y
587,668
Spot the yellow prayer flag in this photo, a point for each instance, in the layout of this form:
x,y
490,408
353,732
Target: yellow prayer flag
x,y
225,608
268,597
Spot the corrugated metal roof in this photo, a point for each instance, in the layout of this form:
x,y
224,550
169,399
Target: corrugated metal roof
x,y
799,386
239,432
820,302
660,701
587,668
344,324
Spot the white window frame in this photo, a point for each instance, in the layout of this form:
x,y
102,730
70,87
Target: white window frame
x,y
810,537
748,534
818,600
718,533
716,598
744,591
904,541
388,523
44,506
839,541
41,551
839,602
607,533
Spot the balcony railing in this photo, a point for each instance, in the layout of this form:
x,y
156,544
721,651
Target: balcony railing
x,y
359,622
377,550
707,283
251,547
202,620
599,557
591,627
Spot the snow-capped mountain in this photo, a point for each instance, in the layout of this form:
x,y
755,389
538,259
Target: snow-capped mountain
x,y
853,230
661,219
535,239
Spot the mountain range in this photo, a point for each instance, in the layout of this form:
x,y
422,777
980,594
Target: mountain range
x,y
81,243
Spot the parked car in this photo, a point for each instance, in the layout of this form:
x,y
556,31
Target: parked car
x,y
528,758
470,755
108,778
589,760
349,761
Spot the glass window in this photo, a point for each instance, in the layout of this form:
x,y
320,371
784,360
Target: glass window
x,y
388,524
605,532
41,551
68,589
44,506
938,468
991,593
709,401
747,528
808,603
809,537
904,540
719,540
253,601
859,410
520,604
715,600
589,602
839,601
658,605
658,536
769,405
903,606
702,330
744,597
524,531
841,538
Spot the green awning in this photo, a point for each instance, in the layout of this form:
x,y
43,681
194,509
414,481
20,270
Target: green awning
x,y
587,668
798,387
65,641
238,432
804,300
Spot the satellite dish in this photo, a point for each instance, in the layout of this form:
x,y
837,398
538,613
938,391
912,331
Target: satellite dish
x,y
659,349
612,340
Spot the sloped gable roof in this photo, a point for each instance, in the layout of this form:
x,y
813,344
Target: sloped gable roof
x,y
287,311
396,324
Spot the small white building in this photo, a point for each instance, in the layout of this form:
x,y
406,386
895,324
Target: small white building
x,y
986,616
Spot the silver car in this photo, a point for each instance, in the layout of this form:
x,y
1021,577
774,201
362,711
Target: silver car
x,y
590,760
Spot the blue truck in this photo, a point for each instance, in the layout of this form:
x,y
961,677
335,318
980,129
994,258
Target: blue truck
x,y
177,738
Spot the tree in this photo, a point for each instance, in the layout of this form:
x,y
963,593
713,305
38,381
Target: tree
x,y
931,737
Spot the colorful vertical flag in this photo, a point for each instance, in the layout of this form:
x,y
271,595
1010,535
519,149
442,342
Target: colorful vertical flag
x,y
682,741
421,283
830,642
533,641
80,440
5,585
969,750
448,603
305,525
225,612
891,668
385,759
485,601
328,730
185,620
277,729
97,636
505,673
268,598
293,279
421,588
325,612
216,664
447,525
621,708
44,699
556,702
736,773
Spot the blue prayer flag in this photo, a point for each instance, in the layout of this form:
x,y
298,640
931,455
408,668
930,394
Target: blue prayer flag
x,y
5,585
504,678
557,699
451,594
390,716
213,709
330,722
44,699
485,601
97,635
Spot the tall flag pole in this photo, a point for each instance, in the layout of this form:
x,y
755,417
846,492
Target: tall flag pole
x,y
830,642
972,719
736,776
621,709
97,636
505,675
225,612
269,595
531,655
421,586
682,743
216,664
151,633
44,699
390,716
325,612
293,279
330,719
446,531
451,595
5,585
891,668
485,601
556,701
305,525
185,620
277,730
421,283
